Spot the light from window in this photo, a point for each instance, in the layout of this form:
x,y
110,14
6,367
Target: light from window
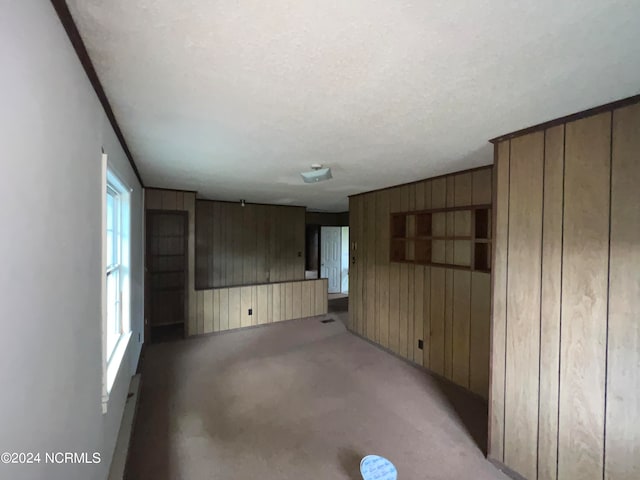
x,y
116,326
114,265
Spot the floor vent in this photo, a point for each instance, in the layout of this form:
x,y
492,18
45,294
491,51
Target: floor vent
x,y
328,320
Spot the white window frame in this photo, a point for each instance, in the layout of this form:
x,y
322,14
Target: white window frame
x,y
113,350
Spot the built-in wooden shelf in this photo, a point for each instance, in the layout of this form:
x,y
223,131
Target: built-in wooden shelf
x,y
424,237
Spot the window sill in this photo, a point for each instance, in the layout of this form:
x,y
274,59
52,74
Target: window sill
x,y
114,366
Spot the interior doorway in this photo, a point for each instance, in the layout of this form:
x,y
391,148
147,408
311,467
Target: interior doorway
x,y
166,274
334,258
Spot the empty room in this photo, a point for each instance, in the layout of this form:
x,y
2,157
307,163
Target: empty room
x,y
320,240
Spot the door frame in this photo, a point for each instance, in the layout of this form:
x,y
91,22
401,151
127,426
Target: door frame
x,y
320,255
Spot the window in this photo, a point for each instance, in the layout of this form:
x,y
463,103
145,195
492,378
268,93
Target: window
x,y
116,255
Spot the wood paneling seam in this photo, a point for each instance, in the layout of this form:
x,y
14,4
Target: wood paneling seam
x,y
564,165
544,164
506,309
606,344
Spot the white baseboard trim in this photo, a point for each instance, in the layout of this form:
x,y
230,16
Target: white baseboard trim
x,y
119,461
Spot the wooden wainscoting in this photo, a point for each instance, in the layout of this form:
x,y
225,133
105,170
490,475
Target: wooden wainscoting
x,y
227,308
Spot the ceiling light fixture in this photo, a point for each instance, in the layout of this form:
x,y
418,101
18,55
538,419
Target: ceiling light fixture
x,y
317,174
242,203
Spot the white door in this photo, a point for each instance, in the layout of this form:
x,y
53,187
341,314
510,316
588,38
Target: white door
x,y
330,257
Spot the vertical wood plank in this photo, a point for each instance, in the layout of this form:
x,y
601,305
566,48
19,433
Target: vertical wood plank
x,y
418,288
461,284
246,299
216,310
319,296
437,336
208,311
370,261
288,295
228,243
299,250
411,285
623,379
353,271
426,328
168,199
426,308
499,303
179,200
312,297
481,186
523,302
382,267
277,311
218,257
269,317
306,298
274,250
297,299
261,243
418,313
190,205
237,245
480,327
461,326
584,298
199,312
152,199
248,240
550,307
394,284
448,289
211,224
361,267
403,307
262,292
235,308
448,320
224,309
325,300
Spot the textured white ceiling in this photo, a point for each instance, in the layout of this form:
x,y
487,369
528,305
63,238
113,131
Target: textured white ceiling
x,y
235,98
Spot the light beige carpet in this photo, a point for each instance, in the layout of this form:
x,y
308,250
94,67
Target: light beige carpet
x,y
298,400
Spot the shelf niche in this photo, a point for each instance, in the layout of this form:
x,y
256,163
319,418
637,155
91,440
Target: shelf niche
x,y
423,237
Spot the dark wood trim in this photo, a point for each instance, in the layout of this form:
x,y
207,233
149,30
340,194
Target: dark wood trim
x,y
483,206
460,172
246,203
569,118
61,8
170,189
258,284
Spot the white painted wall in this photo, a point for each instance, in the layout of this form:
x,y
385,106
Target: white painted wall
x,y
52,129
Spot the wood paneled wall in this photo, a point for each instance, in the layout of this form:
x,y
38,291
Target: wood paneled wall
x,y
328,219
238,245
565,386
397,304
223,309
160,199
